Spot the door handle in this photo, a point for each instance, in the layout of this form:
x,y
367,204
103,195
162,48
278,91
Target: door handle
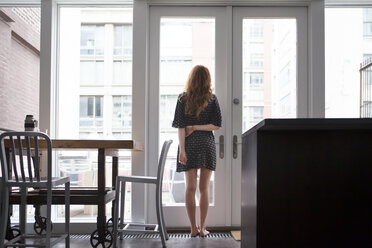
x,y
222,146
235,146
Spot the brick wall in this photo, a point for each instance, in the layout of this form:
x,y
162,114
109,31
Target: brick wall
x,y
19,65
31,16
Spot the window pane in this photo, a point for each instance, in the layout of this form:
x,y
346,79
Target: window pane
x,y
347,44
256,59
99,106
184,42
255,114
90,106
122,114
123,40
92,39
122,72
175,71
256,29
87,36
91,72
86,69
269,70
87,82
117,110
83,106
118,35
100,39
256,80
99,72
367,22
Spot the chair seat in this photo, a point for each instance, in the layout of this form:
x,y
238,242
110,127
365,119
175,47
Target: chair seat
x,y
121,227
78,196
139,179
42,183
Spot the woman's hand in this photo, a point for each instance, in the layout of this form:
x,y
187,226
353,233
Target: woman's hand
x,y
189,130
182,157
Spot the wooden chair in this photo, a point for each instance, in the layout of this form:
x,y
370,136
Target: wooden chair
x,y
24,144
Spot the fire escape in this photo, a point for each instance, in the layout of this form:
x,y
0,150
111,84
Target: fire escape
x,y
366,88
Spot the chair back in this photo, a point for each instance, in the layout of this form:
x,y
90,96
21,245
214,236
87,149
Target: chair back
x,y
162,159
24,144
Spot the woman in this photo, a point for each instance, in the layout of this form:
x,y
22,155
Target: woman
x,y
197,115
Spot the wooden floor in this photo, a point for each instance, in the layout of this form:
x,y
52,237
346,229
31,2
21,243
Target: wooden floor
x,y
156,243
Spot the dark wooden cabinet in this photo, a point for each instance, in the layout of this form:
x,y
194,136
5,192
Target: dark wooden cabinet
x,y
307,183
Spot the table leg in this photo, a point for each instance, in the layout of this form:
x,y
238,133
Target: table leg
x,y
115,164
101,218
7,155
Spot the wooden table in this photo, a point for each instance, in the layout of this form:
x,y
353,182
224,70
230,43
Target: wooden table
x,y
100,195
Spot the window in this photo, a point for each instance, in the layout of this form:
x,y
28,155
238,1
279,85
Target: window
x,y
91,72
178,41
122,70
122,67
256,59
94,92
345,26
269,70
252,115
123,40
92,39
255,114
122,115
256,80
254,93
91,108
91,54
367,22
257,29
167,106
175,70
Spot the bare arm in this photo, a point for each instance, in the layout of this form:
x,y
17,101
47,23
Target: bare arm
x,y
207,127
181,138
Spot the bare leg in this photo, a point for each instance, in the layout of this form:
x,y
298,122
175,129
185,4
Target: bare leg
x,y
191,180
205,176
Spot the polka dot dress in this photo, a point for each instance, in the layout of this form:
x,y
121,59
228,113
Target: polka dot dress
x,y
200,145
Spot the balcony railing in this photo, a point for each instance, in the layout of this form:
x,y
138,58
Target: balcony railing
x,y
366,88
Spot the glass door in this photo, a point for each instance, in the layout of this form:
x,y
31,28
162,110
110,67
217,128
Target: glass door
x,y
269,74
181,38
259,70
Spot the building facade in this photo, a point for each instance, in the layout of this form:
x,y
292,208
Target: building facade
x,y
19,65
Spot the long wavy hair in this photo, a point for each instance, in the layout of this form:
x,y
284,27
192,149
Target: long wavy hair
x,y
198,90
